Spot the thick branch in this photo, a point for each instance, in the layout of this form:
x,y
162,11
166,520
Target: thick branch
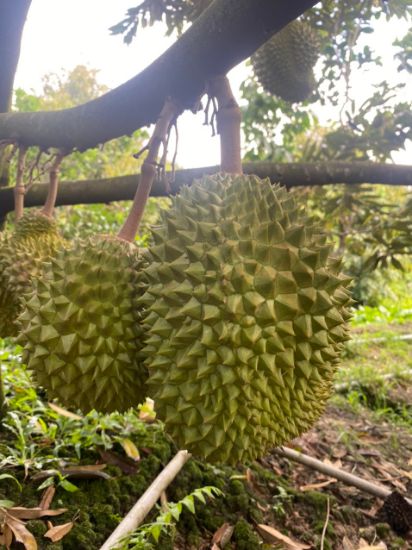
x,y
12,18
228,32
292,175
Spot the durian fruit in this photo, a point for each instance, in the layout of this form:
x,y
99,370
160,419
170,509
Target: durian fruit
x,y
246,316
34,224
80,327
284,64
22,253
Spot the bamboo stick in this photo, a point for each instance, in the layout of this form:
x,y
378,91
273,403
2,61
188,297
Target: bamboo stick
x,y
146,502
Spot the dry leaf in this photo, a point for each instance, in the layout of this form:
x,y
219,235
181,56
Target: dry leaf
x,y
7,536
33,513
130,449
311,486
127,465
47,497
272,535
346,544
20,532
57,532
364,545
64,412
223,535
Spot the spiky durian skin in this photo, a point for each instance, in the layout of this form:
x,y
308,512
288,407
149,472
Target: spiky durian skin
x,y
246,316
81,328
283,65
22,254
33,224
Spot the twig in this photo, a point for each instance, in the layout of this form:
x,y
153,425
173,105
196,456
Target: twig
x,y
350,479
146,502
166,117
322,540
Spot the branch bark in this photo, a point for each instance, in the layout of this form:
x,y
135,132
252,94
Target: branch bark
x,y
12,19
290,174
228,32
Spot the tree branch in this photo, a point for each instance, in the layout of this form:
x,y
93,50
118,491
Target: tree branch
x,y
12,19
291,175
228,32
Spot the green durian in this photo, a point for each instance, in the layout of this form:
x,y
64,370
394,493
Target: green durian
x,y
246,317
80,327
22,253
284,64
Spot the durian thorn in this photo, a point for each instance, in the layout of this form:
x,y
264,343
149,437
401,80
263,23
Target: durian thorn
x,y
228,124
168,114
19,190
48,207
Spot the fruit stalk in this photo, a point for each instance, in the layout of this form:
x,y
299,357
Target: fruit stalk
x,y
48,207
19,189
228,124
148,173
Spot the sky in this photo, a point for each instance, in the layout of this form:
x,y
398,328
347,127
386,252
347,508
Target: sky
x,y
59,35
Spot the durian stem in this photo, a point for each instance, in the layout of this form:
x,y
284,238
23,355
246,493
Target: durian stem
x,y
48,207
19,189
148,172
146,502
228,120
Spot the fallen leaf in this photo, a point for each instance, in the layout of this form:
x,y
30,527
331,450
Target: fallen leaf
x,y
223,535
215,547
7,536
127,465
272,535
21,534
33,513
57,532
311,486
47,497
346,544
130,449
364,545
64,412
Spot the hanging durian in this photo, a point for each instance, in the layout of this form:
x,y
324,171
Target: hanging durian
x,y
81,327
246,316
22,252
284,64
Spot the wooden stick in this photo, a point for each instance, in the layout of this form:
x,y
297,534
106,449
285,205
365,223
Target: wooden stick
x,y
228,124
350,479
146,502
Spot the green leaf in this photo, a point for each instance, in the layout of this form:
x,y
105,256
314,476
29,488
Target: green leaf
x,y
189,503
67,486
6,504
46,483
9,476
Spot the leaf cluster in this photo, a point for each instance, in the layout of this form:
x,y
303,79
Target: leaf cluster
x,y
144,537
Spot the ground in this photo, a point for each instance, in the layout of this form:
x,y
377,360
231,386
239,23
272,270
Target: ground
x,y
366,430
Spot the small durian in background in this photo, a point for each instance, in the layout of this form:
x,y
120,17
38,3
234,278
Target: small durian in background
x,y
284,64
246,316
34,240
80,327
